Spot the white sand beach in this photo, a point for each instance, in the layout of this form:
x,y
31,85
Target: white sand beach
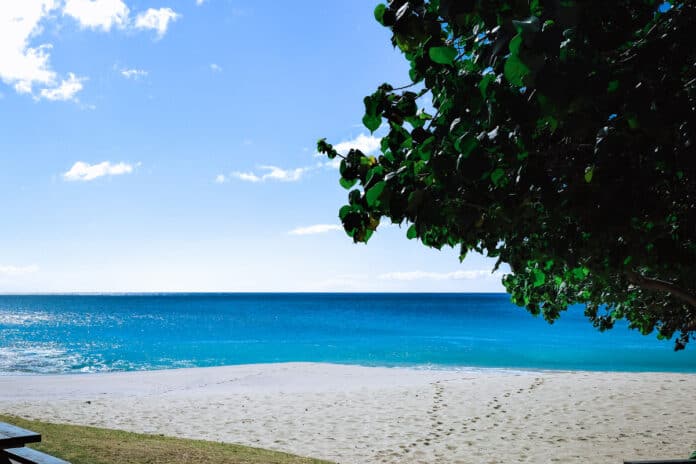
x,y
352,414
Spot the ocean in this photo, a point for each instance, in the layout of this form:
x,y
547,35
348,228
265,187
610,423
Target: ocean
x,y
65,334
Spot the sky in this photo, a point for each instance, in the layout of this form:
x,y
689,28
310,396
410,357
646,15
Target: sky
x,y
170,145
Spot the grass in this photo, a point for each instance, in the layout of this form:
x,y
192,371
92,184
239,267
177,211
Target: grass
x,y
91,445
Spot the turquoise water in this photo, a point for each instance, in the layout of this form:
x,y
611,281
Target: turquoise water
x,y
91,333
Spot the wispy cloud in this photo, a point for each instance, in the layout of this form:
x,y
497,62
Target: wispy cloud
x,y
273,173
200,2
315,229
367,144
81,171
67,89
97,14
156,19
133,73
215,67
18,270
246,176
456,275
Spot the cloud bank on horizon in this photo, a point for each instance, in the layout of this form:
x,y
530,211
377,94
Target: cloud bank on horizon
x,y
13,271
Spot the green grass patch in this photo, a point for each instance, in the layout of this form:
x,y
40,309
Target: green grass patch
x,y
92,445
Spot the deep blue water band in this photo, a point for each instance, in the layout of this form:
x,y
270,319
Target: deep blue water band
x,y
88,333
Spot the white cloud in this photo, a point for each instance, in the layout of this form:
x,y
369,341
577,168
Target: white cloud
x,y
21,65
156,19
456,275
65,91
368,144
26,66
285,175
274,173
18,270
133,73
215,67
247,176
200,2
315,229
365,143
97,14
220,179
84,171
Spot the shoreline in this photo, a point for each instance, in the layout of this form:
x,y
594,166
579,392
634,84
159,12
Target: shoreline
x,y
356,414
406,367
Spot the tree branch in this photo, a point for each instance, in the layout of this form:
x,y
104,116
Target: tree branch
x,y
664,286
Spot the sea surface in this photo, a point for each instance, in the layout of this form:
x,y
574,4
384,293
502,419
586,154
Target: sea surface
x,y
94,333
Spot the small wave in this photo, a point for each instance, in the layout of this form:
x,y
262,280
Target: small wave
x,y
24,318
43,359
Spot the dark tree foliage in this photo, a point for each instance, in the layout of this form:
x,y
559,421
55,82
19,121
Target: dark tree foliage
x,y
562,141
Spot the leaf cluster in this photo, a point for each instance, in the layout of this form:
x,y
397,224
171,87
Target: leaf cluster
x,y
561,142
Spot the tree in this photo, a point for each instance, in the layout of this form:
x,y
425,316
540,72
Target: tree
x,y
558,136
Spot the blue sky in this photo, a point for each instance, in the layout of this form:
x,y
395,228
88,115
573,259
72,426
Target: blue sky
x,y
169,146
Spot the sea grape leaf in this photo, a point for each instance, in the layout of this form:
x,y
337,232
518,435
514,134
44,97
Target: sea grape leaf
x,y
442,55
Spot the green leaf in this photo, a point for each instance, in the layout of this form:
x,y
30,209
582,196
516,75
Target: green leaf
x,y
373,118
589,172
376,171
466,144
442,55
535,8
515,71
372,122
497,175
426,147
539,278
411,233
347,184
485,82
354,197
372,195
579,273
613,86
379,13
344,211
515,44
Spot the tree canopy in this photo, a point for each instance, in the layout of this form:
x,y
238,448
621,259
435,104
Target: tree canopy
x,y
558,136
